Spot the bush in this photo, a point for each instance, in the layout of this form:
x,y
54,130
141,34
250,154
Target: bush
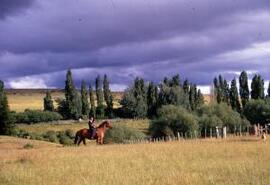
x,y
172,119
28,146
220,115
51,136
122,133
34,116
258,111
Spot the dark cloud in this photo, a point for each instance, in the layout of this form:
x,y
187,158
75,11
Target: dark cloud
x,y
197,39
11,7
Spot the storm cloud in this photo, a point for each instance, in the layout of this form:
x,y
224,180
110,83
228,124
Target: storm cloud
x,y
129,38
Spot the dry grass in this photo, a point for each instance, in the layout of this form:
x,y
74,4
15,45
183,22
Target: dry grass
x,y
22,99
196,162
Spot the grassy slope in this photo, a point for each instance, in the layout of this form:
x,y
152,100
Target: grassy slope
x,y
187,162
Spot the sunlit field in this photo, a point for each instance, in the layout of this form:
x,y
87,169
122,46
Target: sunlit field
x,y
234,161
22,99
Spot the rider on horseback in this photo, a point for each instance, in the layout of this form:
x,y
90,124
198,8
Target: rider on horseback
x,y
92,127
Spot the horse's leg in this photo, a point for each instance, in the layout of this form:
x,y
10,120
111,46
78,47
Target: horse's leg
x,y
84,141
80,141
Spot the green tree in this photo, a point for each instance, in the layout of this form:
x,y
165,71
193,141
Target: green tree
x,y
152,98
226,92
84,95
175,81
217,90
258,111
268,90
192,96
48,102
199,99
72,99
244,89
108,96
6,123
257,87
100,110
171,120
234,97
92,112
186,86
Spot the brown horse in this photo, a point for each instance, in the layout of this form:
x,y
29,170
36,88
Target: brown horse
x,y
99,136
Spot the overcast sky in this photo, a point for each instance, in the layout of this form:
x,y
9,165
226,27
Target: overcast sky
x,y
199,39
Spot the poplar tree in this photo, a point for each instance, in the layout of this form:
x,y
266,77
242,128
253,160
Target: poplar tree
x,y
48,102
244,89
217,90
186,86
73,106
234,97
192,96
268,90
257,87
84,95
108,96
99,94
92,112
199,98
152,98
6,123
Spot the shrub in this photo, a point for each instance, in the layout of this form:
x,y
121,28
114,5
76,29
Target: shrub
x,y
28,146
64,137
34,116
258,111
122,133
172,119
220,115
51,136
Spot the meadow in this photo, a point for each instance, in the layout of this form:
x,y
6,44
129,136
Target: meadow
x,y
200,162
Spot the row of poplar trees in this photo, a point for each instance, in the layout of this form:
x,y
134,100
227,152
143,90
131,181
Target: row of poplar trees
x,y
144,99
239,99
87,102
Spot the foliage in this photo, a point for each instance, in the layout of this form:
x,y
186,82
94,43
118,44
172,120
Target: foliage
x,y
48,102
100,112
92,112
72,106
35,116
152,99
134,101
28,146
257,87
122,134
244,89
6,121
172,119
108,97
258,111
84,99
234,97
224,113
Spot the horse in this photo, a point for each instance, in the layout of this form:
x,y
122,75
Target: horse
x,y
99,136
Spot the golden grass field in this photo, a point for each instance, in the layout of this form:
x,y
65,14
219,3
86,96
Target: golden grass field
x,y
199,162
21,99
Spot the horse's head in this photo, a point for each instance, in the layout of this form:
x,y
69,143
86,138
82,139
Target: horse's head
x,y
108,124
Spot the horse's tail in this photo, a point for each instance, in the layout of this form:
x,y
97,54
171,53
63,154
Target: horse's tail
x,y
76,138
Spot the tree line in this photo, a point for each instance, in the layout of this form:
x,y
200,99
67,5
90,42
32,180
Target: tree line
x,y
251,102
83,104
